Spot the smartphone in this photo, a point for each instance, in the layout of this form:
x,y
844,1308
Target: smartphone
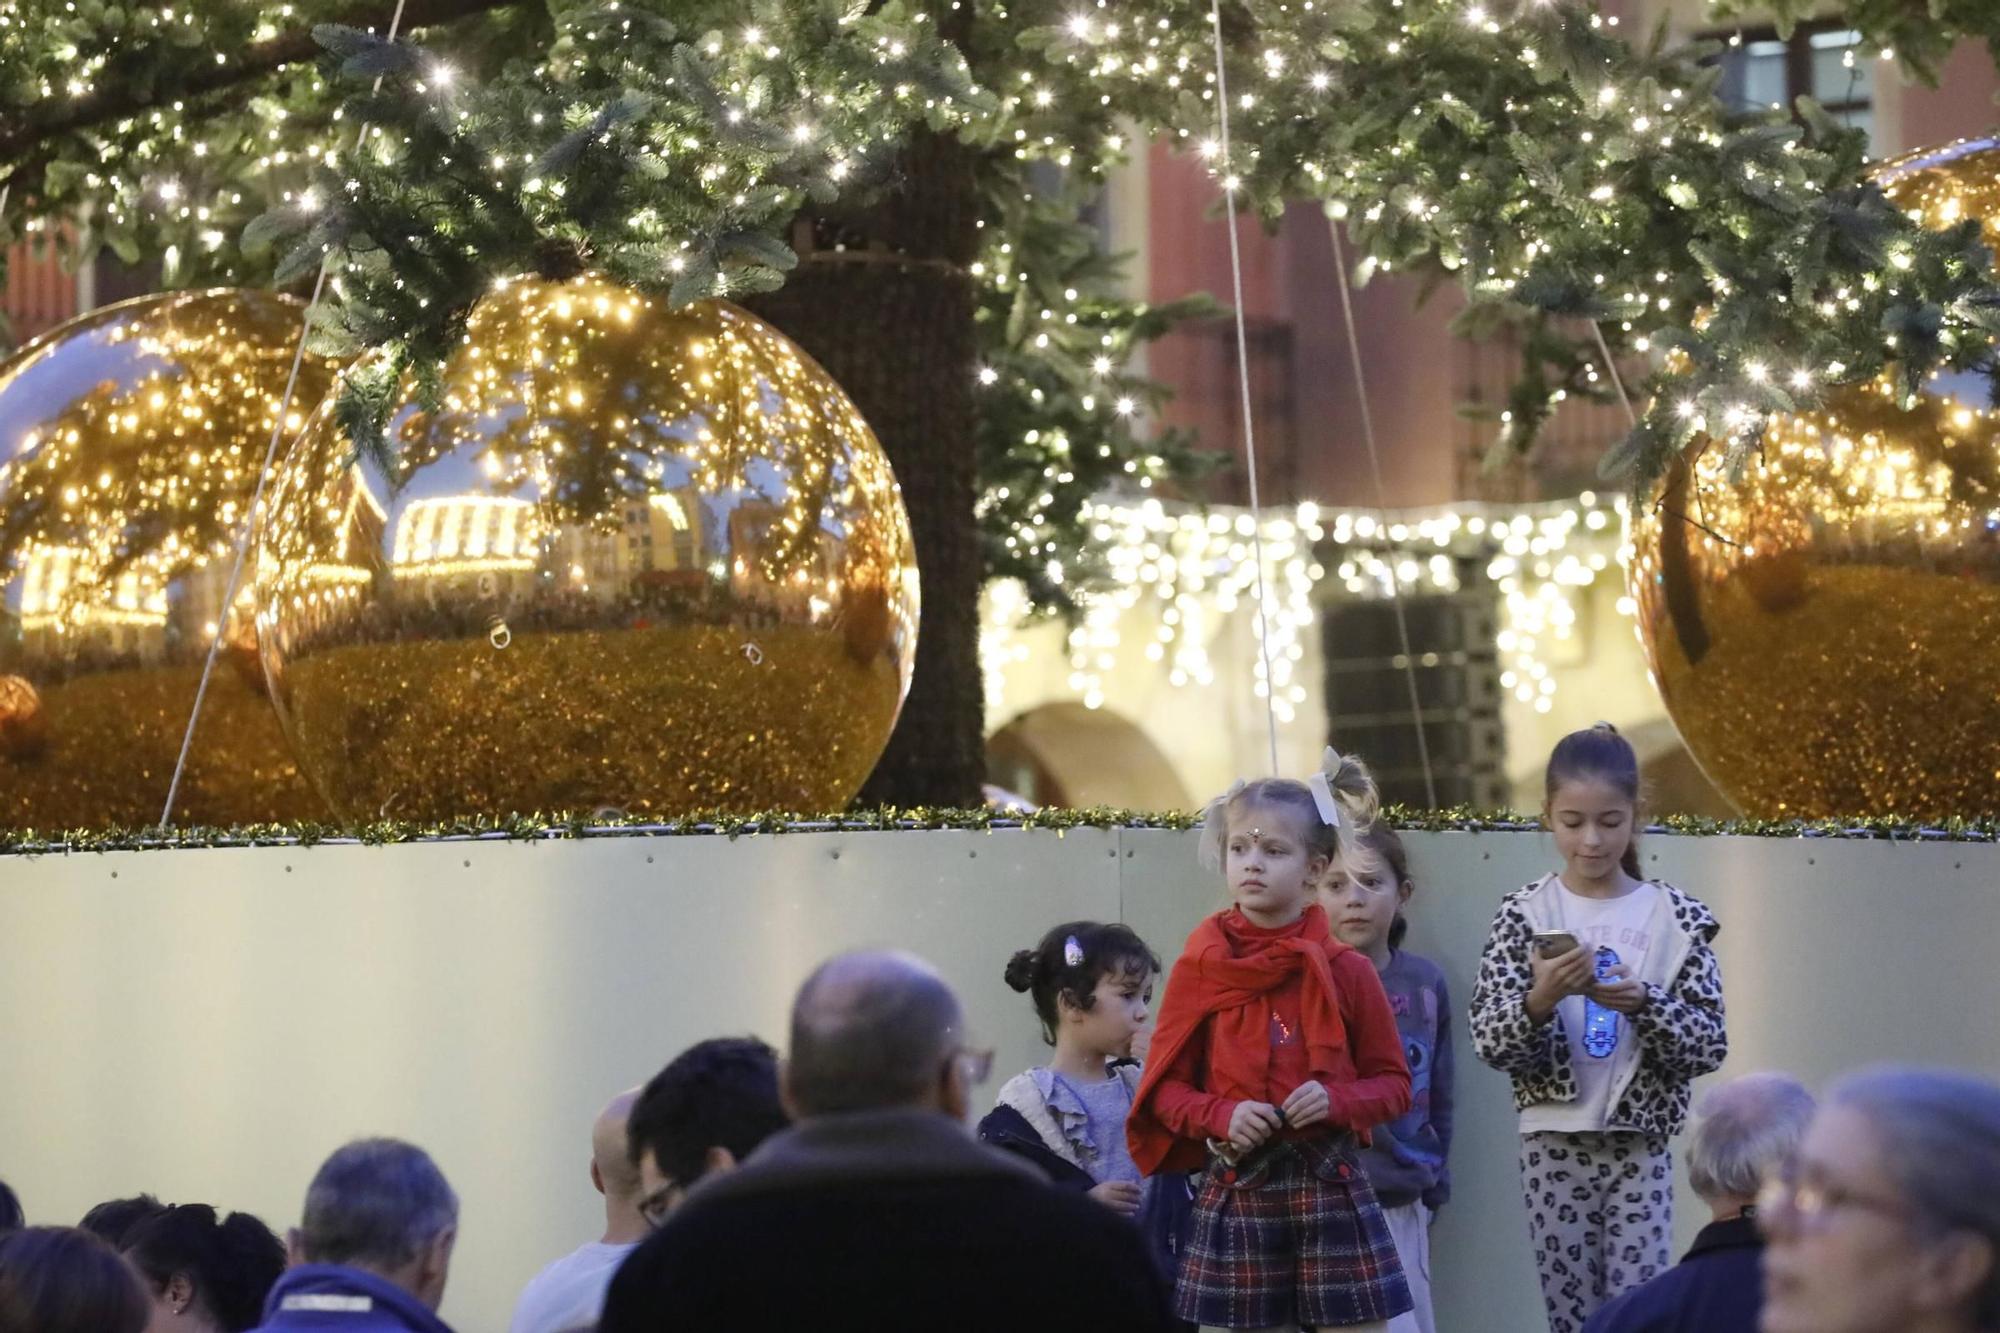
x,y
1553,943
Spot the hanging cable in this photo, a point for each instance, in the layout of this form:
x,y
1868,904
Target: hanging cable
x,y
1229,187
1375,466
257,498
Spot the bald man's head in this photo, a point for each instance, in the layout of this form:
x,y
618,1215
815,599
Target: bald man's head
x,y
871,1031
610,1163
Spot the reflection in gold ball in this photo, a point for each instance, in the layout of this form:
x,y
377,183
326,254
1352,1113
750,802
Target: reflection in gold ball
x,y
130,440
1822,628
24,732
641,559
1944,186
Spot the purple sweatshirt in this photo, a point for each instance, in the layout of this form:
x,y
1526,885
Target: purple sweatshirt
x,y
1407,1163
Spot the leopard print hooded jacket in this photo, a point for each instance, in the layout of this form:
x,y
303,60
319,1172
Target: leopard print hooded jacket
x,y
1681,1032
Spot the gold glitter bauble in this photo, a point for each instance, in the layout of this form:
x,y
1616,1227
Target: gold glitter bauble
x,y
638,559
1822,627
130,440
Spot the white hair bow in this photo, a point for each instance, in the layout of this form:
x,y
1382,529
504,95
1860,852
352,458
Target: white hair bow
x,y
1322,790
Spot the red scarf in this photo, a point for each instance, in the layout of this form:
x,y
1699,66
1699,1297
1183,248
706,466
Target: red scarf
x,y
1223,979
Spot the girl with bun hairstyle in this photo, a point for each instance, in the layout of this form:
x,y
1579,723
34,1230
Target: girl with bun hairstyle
x,y
206,1275
1091,985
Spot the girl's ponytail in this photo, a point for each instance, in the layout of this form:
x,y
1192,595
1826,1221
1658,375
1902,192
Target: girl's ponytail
x,y
1345,782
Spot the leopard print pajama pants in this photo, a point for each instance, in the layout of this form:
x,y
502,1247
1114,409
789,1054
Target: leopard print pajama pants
x,y
1601,1214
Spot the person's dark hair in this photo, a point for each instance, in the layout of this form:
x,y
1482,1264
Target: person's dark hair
x,y
870,1031
1599,752
1939,1132
112,1221
231,1263
376,1204
11,1216
1101,950
1387,844
720,1093
67,1280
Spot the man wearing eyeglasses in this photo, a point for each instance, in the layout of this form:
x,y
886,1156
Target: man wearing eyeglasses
x,y
878,1209
702,1115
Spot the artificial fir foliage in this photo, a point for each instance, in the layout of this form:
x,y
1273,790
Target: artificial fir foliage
x,y
1553,167
542,827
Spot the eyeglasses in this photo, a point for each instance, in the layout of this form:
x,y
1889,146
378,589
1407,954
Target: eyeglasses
x,y
1810,1206
656,1206
976,1063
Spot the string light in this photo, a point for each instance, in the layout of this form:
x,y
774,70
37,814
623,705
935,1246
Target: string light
x,y
1179,577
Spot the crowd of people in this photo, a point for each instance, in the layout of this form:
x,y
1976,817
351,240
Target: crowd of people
x,y
1271,1153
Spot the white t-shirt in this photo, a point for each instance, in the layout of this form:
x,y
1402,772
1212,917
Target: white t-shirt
x,y
569,1293
1622,925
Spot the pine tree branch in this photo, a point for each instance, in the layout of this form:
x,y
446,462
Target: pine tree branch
x,y
115,98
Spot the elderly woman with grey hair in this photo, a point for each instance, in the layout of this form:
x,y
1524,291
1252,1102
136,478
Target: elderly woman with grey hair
x,y
1890,1221
1746,1135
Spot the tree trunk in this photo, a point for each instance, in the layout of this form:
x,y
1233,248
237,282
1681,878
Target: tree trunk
x,y
891,319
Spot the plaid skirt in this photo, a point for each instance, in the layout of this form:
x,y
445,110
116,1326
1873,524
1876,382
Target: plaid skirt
x,y
1298,1240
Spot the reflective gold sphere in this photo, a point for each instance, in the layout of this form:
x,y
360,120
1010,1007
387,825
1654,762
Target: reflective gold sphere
x,y
639,559
1822,629
130,440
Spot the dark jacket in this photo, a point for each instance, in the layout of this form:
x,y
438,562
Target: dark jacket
x,y
886,1220
1008,1130
1718,1287
330,1298
1023,1124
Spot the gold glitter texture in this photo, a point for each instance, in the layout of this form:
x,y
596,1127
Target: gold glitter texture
x,y
130,440
1822,628
639,559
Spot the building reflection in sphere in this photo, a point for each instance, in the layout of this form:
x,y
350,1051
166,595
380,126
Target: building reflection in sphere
x,y
130,441
638,559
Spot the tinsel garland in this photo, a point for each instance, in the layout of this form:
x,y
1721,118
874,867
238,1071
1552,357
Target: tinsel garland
x,y
561,826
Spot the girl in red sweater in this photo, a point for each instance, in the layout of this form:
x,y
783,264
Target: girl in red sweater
x,y
1275,1051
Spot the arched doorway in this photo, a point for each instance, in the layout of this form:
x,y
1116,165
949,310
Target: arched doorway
x,y
1067,755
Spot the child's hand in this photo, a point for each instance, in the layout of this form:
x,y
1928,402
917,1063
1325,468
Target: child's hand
x,y
1308,1105
1251,1123
1624,992
1557,978
1120,1196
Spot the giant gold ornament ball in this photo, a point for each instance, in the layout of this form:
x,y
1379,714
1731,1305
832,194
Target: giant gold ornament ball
x,y
638,559
1822,627
130,442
